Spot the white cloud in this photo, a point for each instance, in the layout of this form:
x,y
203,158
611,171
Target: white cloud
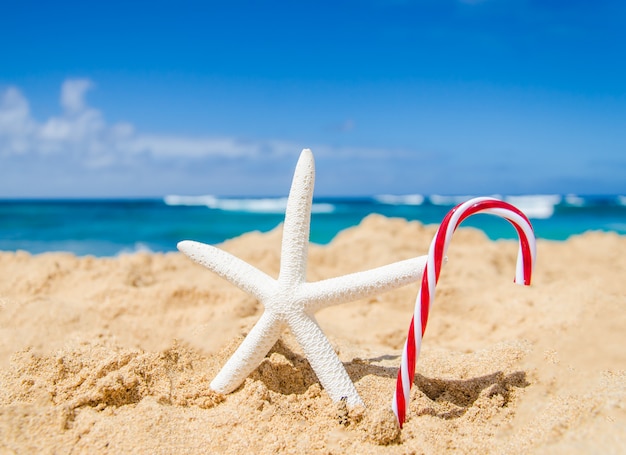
x,y
16,125
14,112
77,152
172,146
73,94
81,132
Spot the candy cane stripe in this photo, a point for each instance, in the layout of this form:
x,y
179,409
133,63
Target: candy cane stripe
x,y
527,253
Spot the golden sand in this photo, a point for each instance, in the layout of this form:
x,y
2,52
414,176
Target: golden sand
x,y
116,355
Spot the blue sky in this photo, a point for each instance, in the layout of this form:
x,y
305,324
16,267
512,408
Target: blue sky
x,y
393,96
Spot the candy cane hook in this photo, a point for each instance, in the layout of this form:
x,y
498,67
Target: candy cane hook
x,y
527,253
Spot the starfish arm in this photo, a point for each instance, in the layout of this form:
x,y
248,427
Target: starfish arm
x,y
240,273
346,288
323,359
296,227
249,354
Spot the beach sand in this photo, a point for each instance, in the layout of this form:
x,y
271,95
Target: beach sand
x,y
115,355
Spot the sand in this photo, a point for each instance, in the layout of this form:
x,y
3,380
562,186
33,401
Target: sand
x,y
115,355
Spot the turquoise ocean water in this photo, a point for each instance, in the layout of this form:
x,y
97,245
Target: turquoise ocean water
x,y
112,227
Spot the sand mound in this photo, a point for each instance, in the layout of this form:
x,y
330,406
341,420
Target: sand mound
x,y
116,355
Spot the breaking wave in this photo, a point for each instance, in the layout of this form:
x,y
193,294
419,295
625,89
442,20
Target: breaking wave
x,y
250,205
392,199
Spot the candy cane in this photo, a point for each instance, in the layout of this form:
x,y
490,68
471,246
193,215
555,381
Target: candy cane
x,y
525,260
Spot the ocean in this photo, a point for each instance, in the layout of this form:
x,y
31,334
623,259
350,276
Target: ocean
x,y
113,227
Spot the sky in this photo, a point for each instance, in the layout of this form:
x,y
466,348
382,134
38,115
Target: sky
x,y
466,97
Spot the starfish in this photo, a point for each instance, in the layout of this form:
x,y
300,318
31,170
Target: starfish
x,y
290,301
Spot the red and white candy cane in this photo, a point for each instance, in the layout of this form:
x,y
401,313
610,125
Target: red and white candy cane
x,y
426,295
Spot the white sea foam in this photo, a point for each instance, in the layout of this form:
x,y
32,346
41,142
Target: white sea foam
x,y
251,205
538,206
174,199
621,200
437,199
266,205
407,199
138,247
322,207
574,200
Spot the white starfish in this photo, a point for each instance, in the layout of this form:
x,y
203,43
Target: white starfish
x,y
290,301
